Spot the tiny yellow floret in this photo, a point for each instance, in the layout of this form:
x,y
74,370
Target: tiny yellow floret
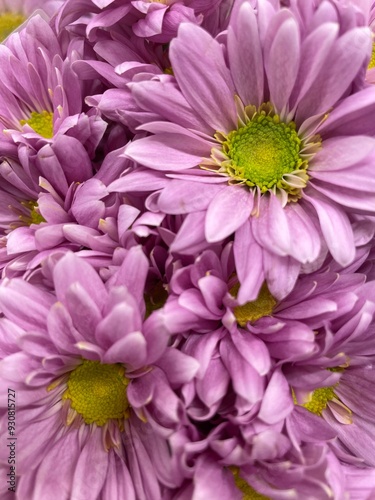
x,y
263,305
248,492
35,217
41,123
319,400
372,60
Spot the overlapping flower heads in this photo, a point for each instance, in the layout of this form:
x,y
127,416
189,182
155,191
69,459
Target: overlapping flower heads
x,y
187,251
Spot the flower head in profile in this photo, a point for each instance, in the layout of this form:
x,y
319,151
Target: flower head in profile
x,y
83,353
259,142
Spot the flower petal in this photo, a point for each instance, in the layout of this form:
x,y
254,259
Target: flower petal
x,y
168,151
282,60
212,97
271,227
245,54
71,269
230,208
180,197
336,229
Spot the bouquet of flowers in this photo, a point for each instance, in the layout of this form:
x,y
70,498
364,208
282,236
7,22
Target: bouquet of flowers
x,y
187,214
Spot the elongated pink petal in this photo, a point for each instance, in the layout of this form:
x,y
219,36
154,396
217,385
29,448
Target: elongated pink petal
x,y
230,208
345,59
71,269
168,151
181,197
341,153
336,229
282,62
248,257
89,477
271,227
212,98
277,402
245,55
306,243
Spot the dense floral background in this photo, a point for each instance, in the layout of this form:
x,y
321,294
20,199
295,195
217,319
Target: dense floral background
x,y
187,218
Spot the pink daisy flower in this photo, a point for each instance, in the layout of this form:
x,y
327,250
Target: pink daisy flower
x,y
262,138
90,394
42,111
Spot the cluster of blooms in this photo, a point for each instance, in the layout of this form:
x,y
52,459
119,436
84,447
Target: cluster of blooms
x,y
187,250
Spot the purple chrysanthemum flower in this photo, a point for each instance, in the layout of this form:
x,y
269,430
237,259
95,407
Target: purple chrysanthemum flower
x,y
237,345
80,373
205,295
336,381
315,472
311,472
346,406
264,139
41,111
37,221
156,20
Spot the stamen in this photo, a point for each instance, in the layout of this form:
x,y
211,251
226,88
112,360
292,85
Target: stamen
x,y
263,305
319,400
34,216
323,397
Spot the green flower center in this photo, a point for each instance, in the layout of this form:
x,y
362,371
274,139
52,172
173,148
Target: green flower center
x,y
34,217
372,60
98,392
326,396
319,400
248,492
263,305
263,151
9,21
42,123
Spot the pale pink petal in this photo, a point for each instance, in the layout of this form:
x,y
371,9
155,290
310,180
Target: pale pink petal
x,y
230,208
245,54
212,98
336,229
